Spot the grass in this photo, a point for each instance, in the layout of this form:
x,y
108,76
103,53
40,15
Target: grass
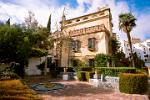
x,y
16,90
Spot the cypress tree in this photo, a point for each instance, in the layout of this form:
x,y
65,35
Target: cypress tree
x,y
8,22
49,24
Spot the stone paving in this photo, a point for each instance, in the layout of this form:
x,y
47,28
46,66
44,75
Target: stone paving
x,y
76,90
84,91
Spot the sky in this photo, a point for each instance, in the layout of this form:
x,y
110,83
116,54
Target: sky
x,y
17,11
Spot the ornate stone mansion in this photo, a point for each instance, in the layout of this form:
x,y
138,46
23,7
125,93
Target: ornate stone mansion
x,y
83,37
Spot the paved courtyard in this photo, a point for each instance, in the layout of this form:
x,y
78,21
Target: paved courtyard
x,y
75,90
83,91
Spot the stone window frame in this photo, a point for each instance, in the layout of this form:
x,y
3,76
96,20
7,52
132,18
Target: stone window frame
x,y
76,45
92,44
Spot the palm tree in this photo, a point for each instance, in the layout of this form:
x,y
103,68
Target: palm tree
x,y
126,24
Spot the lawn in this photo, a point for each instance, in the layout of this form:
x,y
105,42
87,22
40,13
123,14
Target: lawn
x,y
16,90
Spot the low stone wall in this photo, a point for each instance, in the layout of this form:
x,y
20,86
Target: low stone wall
x,y
71,75
111,83
32,69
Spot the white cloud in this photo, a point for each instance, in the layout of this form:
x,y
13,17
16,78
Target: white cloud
x,y
42,8
143,26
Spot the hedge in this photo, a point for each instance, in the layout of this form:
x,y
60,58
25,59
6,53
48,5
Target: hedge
x,y
115,71
37,52
86,69
136,83
84,75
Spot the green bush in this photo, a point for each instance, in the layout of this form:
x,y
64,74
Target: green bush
x,y
84,75
7,75
41,66
115,71
136,83
36,52
54,73
101,60
89,75
79,75
87,69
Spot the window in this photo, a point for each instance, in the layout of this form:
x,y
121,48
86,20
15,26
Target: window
x,y
91,62
91,44
76,45
146,55
69,22
77,20
85,18
148,43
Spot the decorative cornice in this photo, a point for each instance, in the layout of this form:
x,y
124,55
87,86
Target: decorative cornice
x,y
100,11
88,30
86,21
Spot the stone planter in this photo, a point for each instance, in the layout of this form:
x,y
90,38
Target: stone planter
x,y
96,76
65,76
149,70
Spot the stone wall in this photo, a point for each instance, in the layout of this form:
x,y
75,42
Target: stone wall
x,y
32,69
111,83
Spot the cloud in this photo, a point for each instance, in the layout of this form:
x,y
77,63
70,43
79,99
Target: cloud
x,y
142,30
18,10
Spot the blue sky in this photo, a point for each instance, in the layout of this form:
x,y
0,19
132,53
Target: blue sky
x,y
17,10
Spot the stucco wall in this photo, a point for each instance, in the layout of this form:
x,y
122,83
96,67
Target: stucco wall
x,y
32,69
102,37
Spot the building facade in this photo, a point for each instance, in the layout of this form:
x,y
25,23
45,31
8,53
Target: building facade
x,y
84,37
142,49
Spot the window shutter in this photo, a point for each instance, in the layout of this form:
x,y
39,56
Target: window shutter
x,y
78,45
73,45
91,44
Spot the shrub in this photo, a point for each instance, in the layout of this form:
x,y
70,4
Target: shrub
x,y
115,71
7,75
41,66
17,69
101,60
77,63
70,69
136,83
54,73
36,52
84,75
79,75
89,75
87,69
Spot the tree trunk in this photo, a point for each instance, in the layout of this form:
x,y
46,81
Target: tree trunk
x,y
130,45
45,67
